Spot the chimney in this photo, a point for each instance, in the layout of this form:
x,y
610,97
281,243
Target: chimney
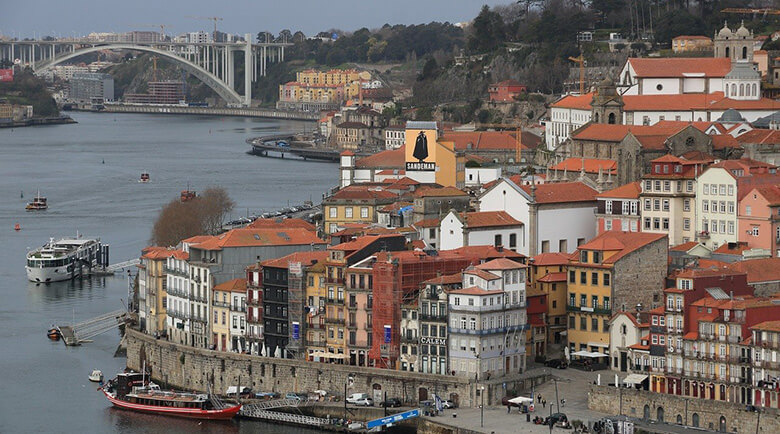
x,y
499,248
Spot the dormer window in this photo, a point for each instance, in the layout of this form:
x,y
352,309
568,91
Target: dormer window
x,y
596,257
584,256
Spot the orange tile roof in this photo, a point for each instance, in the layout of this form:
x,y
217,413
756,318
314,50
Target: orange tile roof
x,y
771,193
427,223
732,248
155,252
551,258
390,159
758,104
591,165
628,191
361,192
562,192
487,219
481,273
450,279
257,237
306,259
684,247
483,140
282,223
235,285
700,271
760,136
553,277
684,102
196,239
360,242
485,252
623,242
759,270
699,125
501,264
616,133
579,102
427,191
723,141
770,326
475,290
395,206
679,67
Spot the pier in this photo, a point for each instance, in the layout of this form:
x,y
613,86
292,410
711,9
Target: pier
x,y
75,334
205,111
262,147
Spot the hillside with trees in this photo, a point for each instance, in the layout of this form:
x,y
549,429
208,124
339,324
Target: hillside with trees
x,y
28,89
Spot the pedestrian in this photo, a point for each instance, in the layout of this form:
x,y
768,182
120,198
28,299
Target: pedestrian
x,y
539,398
508,409
544,403
563,402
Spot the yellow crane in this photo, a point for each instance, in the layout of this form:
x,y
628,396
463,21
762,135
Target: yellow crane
x,y
215,19
518,136
762,11
581,61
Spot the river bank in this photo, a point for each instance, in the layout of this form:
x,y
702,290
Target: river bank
x,y
245,112
59,120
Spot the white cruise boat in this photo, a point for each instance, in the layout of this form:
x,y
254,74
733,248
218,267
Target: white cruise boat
x,y
65,259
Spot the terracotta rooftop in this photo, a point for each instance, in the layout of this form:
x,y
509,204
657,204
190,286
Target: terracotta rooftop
x,y
390,159
591,165
553,277
698,272
684,247
475,290
306,259
282,223
360,242
760,137
234,285
196,239
485,252
771,193
622,242
427,223
616,133
759,270
483,140
257,237
500,264
426,191
628,191
770,326
450,279
579,102
487,219
562,192
481,273
361,192
679,67
155,252
551,258
732,248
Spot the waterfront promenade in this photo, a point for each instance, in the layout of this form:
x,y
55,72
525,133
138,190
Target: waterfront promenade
x,y
248,112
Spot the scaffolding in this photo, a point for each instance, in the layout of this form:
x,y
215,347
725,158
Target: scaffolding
x,y
296,296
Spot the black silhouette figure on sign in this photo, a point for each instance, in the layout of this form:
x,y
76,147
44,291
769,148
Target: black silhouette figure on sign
x,y
421,147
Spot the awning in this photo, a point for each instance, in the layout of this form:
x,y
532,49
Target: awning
x,y
635,379
598,344
588,354
324,355
521,400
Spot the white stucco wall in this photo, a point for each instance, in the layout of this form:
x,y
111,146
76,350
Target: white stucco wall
x,y
566,224
486,237
503,197
451,233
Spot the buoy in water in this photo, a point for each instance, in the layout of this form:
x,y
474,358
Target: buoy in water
x,y
17,227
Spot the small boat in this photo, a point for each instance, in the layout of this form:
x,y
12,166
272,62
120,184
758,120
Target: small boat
x,y
96,376
144,177
17,227
54,334
133,391
38,203
188,195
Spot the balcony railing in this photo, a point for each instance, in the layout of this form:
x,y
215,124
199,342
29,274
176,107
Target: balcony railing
x,y
174,271
316,325
488,331
431,317
338,321
177,314
238,308
339,301
409,340
586,309
316,342
220,304
177,292
335,280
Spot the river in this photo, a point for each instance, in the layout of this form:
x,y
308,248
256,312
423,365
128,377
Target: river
x,y
89,172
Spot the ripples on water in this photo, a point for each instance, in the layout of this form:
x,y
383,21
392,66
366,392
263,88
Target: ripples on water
x,y
44,384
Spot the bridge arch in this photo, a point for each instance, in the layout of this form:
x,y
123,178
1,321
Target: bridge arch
x,y
211,80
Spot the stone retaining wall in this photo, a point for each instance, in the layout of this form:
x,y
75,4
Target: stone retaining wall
x,y
703,413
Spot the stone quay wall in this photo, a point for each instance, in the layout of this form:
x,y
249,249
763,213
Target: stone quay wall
x,y
190,368
692,412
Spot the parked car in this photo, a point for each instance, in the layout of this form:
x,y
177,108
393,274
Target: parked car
x,y
267,395
232,391
555,418
364,402
556,363
299,396
448,403
352,399
391,402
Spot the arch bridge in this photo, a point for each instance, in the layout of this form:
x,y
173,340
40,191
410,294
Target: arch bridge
x,y
213,63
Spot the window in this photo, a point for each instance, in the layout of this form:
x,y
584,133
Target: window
x,y
687,205
348,212
666,205
706,189
572,277
686,224
583,323
583,277
583,256
606,282
583,300
731,190
609,207
689,186
667,184
647,222
596,257
656,223
497,240
364,212
625,207
723,206
705,206
748,210
333,212
731,207
753,230
647,204
656,204
657,185
571,300
594,278
722,226
608,225
634,207
665,225
594,324
731,228
648,185
512,241
722,189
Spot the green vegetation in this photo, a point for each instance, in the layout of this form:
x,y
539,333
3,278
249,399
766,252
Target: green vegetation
x,y
27,89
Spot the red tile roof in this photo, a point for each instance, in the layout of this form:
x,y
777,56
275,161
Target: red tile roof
x,y
485,252
196,239
360,242
501,264
306,259
487,219
771,193
622,242
282,223
475,290
361,192
684,247
553,277
770,326
628,191
551,258
483,140
616,133
450,279
155,252
439,192
562,192
684,102
390,159
481,273
732,248
680,67
591,165
235,285
760,136
759,270
257,237
427,223
579,102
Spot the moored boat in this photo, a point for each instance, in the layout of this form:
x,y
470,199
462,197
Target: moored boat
x,y
144,177
54,334
65,259
132,391
96,376
38,203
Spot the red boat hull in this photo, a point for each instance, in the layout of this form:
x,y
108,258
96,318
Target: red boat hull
x,y
191,413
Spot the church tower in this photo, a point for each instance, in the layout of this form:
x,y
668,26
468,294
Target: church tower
x,y
736,45
607,104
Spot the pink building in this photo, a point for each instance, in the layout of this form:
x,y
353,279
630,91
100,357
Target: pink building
x,y
759,218
618,209
506,91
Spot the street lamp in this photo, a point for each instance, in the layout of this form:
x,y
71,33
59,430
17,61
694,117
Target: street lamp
x,y
482,407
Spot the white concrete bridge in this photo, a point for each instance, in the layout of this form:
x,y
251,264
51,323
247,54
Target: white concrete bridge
x,y
213,62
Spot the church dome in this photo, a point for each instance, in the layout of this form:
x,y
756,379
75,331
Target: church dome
x,y
742,31
731,116
725,32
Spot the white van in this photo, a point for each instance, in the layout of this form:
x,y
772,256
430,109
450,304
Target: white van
x,y
355,397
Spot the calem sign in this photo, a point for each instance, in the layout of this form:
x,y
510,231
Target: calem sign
x,y
6,75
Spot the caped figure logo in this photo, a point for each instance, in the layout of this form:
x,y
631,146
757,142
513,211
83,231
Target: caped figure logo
x,y
421,147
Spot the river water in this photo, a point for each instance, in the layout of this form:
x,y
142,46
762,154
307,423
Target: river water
x,y
89,173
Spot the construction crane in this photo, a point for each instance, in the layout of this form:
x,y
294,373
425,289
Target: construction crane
x,y
215,19
755,12
581,61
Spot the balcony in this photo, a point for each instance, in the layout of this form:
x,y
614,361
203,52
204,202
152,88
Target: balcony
x,y
178,314
316,326
221,304
316,342
704,235
254,335
430,317
335,280
238,308
585,309
352,326
352,306
337,301
337,321
174,272
488,331
409,340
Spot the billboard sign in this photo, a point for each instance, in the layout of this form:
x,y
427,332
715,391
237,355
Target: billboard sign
x,y
388,333
7,74
393,418
296,330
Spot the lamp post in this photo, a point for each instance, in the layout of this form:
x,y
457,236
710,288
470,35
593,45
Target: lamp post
x,y
482,407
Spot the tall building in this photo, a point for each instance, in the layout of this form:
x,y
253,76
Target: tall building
x,y
160,92
91,86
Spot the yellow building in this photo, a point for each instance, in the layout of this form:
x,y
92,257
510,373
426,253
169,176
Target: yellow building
x,y
431,160
354,204
220,321
151,287
547,275
327,87
684,43
614,269
315,300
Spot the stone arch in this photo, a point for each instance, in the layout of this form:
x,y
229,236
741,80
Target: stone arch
x,y
422,394
611,118
597,118
755,90
741,89
727,51
679,419
659,413
744,52
733,89
695,420
211,80
722,424
646,412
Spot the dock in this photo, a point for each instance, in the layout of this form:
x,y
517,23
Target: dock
x,y
288,418
76,334
248,112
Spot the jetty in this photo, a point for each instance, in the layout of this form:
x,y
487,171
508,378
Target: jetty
x,y
248,112
76,334
268,146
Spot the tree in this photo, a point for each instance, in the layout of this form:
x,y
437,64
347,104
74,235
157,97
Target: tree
x,y
487,31
678,22
429,69
203,215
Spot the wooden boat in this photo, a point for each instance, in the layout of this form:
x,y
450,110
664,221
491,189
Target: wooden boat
x,y
96,376
132,391
188,195
38,203
144,177
54,334
17,227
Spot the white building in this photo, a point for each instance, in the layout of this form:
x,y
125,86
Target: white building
x,y
178,308
566,115
558,216
487,321
626,334
395,137
716,205
488,228
476,176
